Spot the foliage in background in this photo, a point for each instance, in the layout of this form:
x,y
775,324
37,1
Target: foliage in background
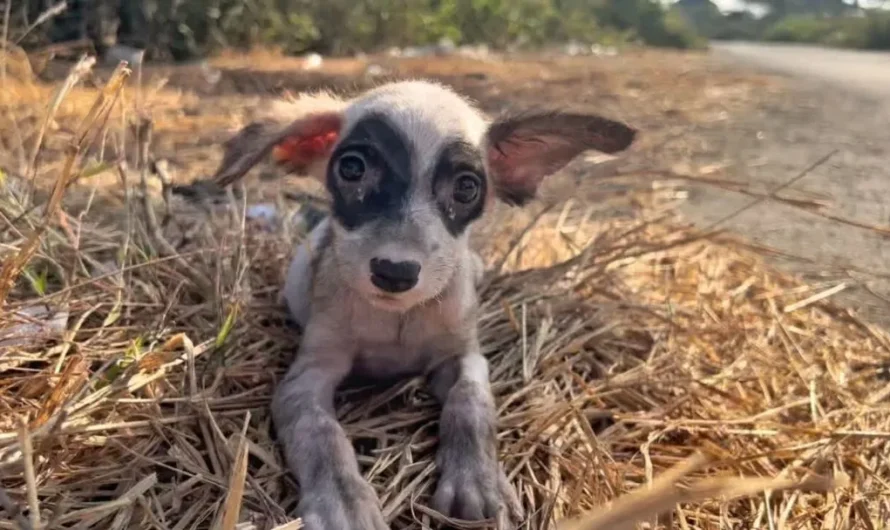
x,y
803,29
868,32
183,29
782,8
710,22
827,22
648,22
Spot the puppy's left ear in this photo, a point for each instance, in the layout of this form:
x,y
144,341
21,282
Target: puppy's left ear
x,y
523,150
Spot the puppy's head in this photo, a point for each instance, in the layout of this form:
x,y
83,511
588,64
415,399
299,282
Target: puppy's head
x,y
409,167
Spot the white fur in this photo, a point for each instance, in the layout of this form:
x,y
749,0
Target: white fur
x,y
297,291
427,113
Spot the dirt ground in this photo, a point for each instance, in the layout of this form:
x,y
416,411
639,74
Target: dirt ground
x,y
783,135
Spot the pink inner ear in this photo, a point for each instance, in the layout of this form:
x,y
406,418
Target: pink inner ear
x,y
520,164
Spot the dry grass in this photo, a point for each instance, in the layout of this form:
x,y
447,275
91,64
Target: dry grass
x,y
620,347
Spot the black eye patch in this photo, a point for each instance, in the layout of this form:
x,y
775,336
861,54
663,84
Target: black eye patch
x,y
459,185
382,189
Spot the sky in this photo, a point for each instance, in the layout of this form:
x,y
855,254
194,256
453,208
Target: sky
x,y
729,4
724,5
739,4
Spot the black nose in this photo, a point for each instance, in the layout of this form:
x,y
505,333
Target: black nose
x,y
394,277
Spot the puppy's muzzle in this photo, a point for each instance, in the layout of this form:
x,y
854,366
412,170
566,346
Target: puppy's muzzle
x,y
394,276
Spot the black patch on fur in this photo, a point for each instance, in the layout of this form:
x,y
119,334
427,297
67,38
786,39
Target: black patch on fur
x,y
383,191
454,159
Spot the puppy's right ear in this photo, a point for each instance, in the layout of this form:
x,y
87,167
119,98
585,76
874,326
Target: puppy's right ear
x,y
526,148
300,136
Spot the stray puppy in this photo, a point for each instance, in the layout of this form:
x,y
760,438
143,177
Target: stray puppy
x,y
387,284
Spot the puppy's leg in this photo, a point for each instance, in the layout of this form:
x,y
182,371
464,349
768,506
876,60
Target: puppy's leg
x,y
472,485
297,292
334,495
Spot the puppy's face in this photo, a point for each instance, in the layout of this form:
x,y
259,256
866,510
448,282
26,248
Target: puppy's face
x,y
407,178
411,165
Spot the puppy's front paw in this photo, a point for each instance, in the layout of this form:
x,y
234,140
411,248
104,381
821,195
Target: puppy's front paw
x,y
475,488
345,504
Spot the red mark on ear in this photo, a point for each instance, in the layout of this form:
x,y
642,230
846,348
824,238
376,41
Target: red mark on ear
x,y
302,150
312,140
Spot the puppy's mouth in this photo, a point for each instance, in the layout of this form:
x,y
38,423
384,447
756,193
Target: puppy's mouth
x,y
386,297
389,302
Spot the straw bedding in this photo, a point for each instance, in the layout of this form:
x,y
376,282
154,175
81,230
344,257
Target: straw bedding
x,y
620,348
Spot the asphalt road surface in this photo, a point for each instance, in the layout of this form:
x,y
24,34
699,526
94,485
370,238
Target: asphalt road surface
x,y
837,100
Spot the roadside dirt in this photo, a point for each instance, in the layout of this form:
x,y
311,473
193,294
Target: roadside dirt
x,y
777,140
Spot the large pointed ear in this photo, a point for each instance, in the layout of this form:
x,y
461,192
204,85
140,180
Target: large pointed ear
x,y
524,149
299,134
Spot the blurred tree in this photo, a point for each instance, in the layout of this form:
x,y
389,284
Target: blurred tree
x,y
182,29
782,8
648,21
90,19
704,15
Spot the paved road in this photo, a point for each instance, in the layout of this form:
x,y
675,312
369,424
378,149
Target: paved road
x,y
864,72
836,100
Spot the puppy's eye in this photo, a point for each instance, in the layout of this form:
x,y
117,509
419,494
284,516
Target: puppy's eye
x,y
351,166
466,187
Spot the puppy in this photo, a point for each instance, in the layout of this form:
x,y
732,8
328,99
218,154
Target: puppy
x,y
386,285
